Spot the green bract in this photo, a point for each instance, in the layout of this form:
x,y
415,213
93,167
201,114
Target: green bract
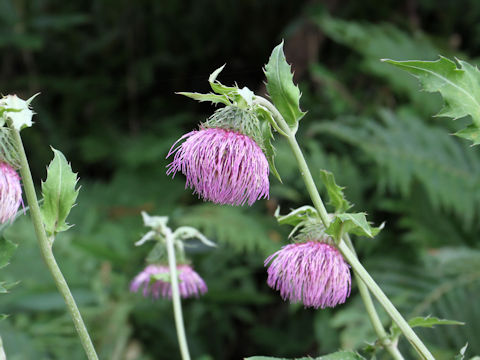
x,y
17,111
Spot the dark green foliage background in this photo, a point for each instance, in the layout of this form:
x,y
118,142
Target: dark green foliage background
x,y
108,70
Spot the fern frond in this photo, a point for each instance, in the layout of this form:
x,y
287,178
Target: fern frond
x,y
407,149
232,226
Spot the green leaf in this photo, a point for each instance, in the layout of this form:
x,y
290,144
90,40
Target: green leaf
x,y
335,192
459,86
7,248
430,321
339,355
59,194
296,216
213,98
471,133
283,92
461,354
218,87
352,223
269,148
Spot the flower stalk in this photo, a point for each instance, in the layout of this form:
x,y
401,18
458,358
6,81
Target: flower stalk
x,y
348,253
177,305
46,248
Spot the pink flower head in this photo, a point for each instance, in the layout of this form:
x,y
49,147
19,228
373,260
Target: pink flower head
x,y
10,192
312,272
190,283
223,166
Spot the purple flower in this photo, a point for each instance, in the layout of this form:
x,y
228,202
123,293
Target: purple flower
x,y
10,192
222,166
312,272
190,283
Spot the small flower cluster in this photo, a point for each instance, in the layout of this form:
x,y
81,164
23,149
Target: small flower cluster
x,y
190,283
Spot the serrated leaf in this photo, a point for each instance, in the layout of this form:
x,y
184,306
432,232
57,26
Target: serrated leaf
x,y
59,194
335,192
213,98
431,321
284,93
7,248
459,86
471,133
296,216
352,223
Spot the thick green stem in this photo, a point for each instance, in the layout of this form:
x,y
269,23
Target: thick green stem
x,y
349,255
177,305
47,252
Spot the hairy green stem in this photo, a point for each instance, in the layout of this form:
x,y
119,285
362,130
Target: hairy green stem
x,y
46,249
177,305
349,255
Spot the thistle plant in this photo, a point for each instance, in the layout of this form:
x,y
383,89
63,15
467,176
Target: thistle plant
x,y
59,195
163,277
315,268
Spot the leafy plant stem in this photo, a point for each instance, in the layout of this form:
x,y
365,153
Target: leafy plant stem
x,y
177,305
388,344
47,251
349,255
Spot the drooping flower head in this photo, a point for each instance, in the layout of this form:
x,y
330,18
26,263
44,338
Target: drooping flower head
x,y
311,272
154,281
10,192
222,160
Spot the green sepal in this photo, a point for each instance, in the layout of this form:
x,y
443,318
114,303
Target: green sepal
x,y
459,87
161,277
59,194
356,224
335,192
269,149
213,98
284,93
157,253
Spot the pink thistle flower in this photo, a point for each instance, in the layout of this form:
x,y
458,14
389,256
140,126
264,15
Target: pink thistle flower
x,y
312,272
190,283
223,166
10,192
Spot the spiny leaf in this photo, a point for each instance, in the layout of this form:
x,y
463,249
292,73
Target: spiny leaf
x,y
217,86
283,92
352,223
59,194
213,98
335,192
459,86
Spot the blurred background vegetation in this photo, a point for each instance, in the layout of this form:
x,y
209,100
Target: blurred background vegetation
x,y
108,71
